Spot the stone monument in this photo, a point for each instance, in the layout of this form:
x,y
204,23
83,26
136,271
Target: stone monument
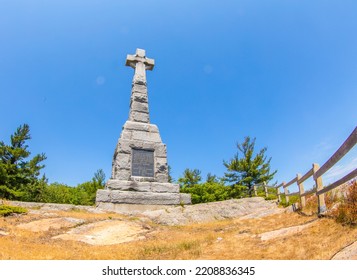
x,y
139,179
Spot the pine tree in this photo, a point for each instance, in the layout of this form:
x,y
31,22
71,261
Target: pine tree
x,y
248,170
190,178
16,171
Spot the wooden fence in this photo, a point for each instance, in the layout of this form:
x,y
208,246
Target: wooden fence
x,y
263,188
316,172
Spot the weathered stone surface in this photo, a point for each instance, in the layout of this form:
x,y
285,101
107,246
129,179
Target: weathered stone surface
x,y
139,97
348,253
126,135
146,136
52,223
139,117
45,207
205,212
151,198
129,208
139,89
122,174
142,186
123,161
123,146
107,232
162,178
185,199
165,187
161,165
142,179
140,107
283,232
129,125
103,195
160,150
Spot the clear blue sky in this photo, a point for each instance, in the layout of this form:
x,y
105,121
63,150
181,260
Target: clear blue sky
x,y
282,71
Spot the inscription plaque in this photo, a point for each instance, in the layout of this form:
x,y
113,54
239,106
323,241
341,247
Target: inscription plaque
x,y
142,163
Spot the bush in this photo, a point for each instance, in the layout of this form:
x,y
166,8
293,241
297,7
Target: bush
x,y
261,193
214,191
41,191
207,192
270,197
292,199
346,212
6,210
83,194
8,193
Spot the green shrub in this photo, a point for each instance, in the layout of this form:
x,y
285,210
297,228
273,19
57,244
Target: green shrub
x,y
207,192
8,193
214,191
292,199
271,197
6,210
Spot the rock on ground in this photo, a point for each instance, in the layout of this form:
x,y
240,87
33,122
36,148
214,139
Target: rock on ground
x,y
283,232
3,233
53,206
52,223
348,253
254,207
106,232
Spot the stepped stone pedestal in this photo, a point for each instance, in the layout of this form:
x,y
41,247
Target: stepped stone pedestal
x,y
139,179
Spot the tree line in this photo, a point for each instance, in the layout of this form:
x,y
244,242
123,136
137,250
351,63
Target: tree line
x,y
20,176
244,170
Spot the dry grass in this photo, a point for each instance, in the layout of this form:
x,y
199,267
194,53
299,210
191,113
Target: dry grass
x,y
228,239
346,213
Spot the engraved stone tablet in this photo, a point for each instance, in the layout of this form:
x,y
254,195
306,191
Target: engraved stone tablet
x,y
142,163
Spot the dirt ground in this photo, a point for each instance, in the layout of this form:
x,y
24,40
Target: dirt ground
x,y
79,234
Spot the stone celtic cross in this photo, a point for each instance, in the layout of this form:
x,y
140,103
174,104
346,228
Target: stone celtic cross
x,y
139,104
140,63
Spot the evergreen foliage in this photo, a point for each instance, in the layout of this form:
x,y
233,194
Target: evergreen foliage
x,y
190,178
18,174
6,210
207,192
211,190
246,170
82,194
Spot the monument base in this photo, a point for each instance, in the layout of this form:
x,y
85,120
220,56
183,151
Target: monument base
x,y
120,194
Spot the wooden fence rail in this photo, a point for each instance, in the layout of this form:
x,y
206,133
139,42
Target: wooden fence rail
x,y
265,188
316,172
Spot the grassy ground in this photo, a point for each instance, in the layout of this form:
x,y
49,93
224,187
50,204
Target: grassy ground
x,y
229,239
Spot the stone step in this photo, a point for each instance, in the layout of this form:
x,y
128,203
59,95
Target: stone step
x,y
154,187
148,198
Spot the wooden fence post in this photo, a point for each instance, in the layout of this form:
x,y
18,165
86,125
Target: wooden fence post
x,y
301,191
319,186
265,189
255,190
286,191
278,194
